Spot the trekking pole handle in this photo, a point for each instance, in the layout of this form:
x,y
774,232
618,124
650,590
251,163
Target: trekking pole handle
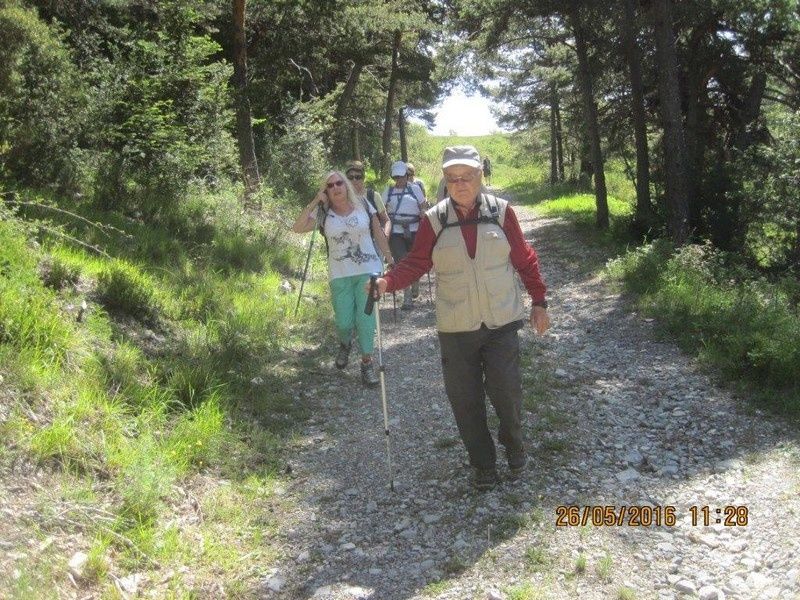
x,y
371,298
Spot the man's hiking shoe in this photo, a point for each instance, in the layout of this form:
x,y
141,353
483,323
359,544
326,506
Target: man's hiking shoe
x,y
342,356
484,479
516,467
368,376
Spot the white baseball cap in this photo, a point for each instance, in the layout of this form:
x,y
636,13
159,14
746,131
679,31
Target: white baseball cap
x,y
399,169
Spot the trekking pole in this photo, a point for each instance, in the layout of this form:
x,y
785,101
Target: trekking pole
x,y
305,271
394,306
381,371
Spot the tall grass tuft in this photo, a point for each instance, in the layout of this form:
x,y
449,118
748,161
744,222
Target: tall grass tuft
x,y
124,288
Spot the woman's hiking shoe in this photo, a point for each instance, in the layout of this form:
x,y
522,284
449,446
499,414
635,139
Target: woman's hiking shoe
x,y
368,376
342,356
484,479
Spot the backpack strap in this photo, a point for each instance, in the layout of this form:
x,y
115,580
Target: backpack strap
x,y
407,191
442,210
322,216
371,198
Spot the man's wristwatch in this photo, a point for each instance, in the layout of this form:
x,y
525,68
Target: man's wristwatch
x,y
542,303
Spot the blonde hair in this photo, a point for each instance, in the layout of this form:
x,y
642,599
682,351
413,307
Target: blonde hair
x,y
351,192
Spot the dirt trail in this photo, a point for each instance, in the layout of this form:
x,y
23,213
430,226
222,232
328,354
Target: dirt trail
x,y
615,417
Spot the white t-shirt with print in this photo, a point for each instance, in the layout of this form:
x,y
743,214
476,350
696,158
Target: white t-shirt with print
x,y
350,247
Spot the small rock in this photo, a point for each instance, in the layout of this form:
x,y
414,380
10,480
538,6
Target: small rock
x,y
757,581
684,586
427,564
494,595
276,583
348,546
561,373
628,475
77,564
709,592
130,584
303,556
428,518
634,457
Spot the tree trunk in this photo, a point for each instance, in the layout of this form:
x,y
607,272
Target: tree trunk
x,y
387,122
349,90
553,136
676,172
590,114
356,141
695,138
634,55
401,128
244,123
559,140
749,112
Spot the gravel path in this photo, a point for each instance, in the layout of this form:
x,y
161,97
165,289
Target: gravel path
x,y
615,417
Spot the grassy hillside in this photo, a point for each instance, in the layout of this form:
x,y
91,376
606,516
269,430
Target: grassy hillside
x,y
144,384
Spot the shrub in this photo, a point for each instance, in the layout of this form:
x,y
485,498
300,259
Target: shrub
x,y
41,99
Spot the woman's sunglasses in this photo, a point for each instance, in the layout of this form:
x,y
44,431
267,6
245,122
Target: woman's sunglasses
x,y
355,177
333,184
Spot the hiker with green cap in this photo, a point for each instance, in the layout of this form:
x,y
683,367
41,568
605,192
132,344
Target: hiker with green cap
x,y
351,230
475,243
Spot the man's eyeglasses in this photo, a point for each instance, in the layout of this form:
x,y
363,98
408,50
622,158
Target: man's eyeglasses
x,y
355,177
333,184
460,178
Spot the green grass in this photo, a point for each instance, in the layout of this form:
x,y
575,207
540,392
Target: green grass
x,y
580,564
435,588
148,391
524,591
741,323
511,160
626,593
536,558
604,568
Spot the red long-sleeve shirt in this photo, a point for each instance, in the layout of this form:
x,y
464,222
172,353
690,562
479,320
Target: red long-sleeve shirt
x,y
419,261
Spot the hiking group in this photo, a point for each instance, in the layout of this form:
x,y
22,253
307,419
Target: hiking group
x,y
475,244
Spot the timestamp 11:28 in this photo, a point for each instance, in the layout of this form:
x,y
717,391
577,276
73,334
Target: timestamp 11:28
x,y
729,516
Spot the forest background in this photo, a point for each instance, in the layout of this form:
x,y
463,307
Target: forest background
x,y
153,154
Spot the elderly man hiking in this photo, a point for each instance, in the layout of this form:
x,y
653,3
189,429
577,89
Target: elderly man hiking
x,y
475,243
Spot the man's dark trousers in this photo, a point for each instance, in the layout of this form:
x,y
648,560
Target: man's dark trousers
x,y
477,363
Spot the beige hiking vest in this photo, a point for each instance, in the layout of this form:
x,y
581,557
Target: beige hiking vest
x,y
474,291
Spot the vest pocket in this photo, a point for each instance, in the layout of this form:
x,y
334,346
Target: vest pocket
x,y
502,297
452,307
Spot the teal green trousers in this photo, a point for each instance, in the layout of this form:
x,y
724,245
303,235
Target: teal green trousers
x,y
349,298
